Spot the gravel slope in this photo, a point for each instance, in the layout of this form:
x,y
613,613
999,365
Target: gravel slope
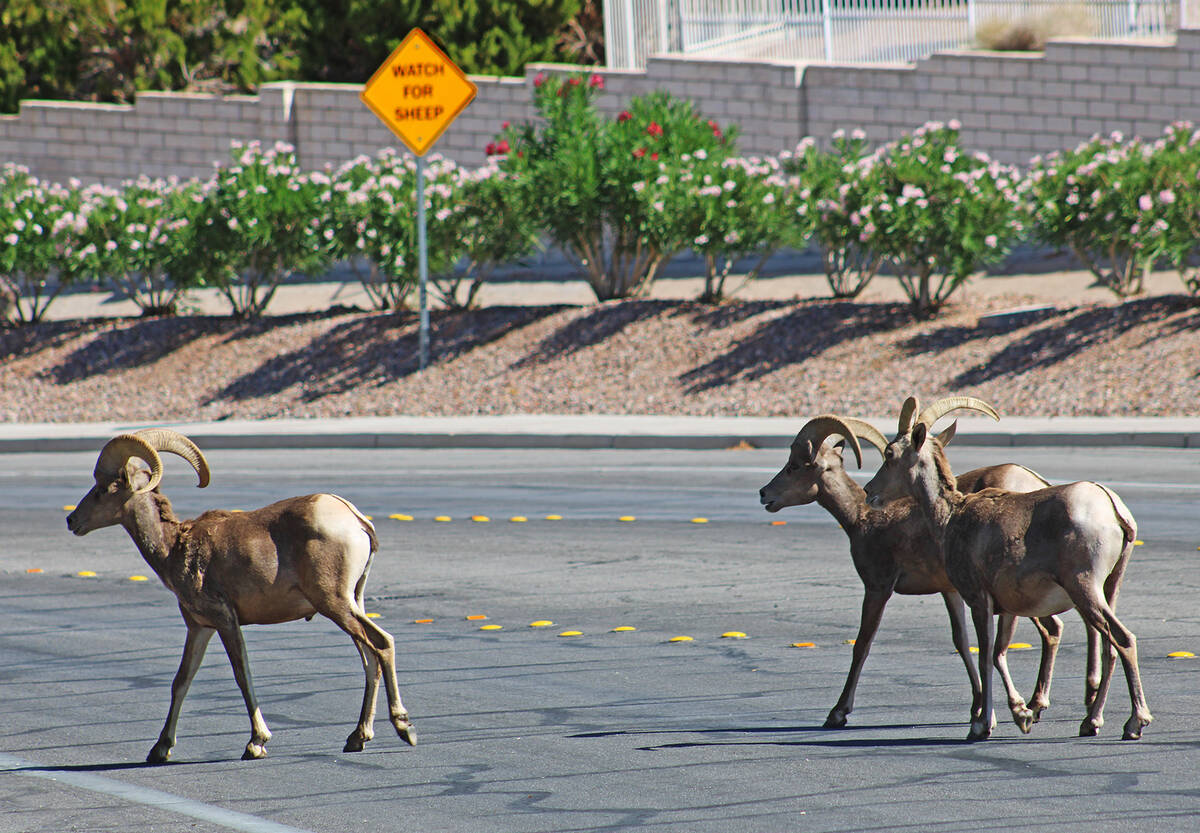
x,y
761,358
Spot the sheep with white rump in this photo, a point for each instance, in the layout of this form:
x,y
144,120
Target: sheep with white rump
x,y
290,560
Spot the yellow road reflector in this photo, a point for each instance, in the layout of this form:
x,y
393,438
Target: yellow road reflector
x,y
1019,646
70,507
973,650
803,645
559,518
372,615
571,633
518,519
627,518
734,635
34,570
442,519
422,621
369,517
541,623
475,617
699,520
849,641
480,519
397,516
1139,543
623,629
490,627
680,639
778,523
86,574
138,578
1180,655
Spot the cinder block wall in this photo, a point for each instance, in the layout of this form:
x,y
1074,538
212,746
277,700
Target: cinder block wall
x,y
1011,105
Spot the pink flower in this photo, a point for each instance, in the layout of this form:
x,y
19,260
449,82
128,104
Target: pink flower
x,y
638,153
597,82
539,79
504,125
716,130
574,81
655,129
1145,202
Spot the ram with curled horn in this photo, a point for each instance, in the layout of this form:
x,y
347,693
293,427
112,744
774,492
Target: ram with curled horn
x,y
290,560
1022,553
891,547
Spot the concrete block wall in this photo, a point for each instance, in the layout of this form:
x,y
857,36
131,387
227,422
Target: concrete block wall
x,y
1011,105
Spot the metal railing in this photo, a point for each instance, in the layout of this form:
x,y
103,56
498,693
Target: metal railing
x,y
850,30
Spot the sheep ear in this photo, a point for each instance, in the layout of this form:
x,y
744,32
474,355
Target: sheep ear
x,y
946,436
919,433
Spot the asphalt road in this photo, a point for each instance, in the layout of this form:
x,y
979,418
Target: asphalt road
x,y
524,730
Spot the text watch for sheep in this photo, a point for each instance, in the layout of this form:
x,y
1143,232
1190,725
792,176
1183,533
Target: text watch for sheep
x,y
417,92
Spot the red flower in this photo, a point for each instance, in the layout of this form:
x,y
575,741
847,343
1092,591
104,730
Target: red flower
x,y
596,81
639,153
490,150
539,79
504,125
654,156
624,116
502,146
654,129
715,129
574,81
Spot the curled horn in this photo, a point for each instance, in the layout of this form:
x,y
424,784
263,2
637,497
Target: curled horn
x,y
952,403
117,452
867,431
817,429
164,439
908,413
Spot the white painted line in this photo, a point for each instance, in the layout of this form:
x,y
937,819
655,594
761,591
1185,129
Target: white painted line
x,y
145,797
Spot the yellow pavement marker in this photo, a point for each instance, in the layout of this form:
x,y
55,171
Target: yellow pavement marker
x,y
1019,646
571,633
849,641
623,629
518,519
778,523
490,627
35,570
369,517
803,645
541,623
138,578
372,615
397,516
699,520
1180,655
680,639
70,507
442,519
559,518
627,519
422,621
476,617
1139,543
86,574
480,519
734,635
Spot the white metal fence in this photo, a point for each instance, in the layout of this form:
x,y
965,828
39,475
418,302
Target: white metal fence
x,y
850,30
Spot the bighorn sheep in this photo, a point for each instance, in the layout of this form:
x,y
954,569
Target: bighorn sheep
x,y
892,549
290,560
1022,554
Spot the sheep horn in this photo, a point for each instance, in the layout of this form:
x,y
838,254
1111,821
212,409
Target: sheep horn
x,y
908,412
952,403
164,439
117,452
817,429
868,432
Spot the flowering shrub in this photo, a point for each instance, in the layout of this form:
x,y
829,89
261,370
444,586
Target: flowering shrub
x,y
723,208
829,207
938,212
39,243
141,239
1090,201
374,222
579,168
261,220
1171,208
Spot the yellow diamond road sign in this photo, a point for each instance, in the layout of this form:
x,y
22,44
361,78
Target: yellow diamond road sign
x,y
418,91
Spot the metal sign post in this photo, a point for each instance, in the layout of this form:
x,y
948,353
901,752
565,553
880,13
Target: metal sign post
x,y
417,92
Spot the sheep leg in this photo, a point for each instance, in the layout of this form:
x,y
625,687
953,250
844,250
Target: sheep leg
x,y
958,634
985,634
1050,629
1091,683
379,643
193,653
235,648
1118,639
873,604
365,730
1022,715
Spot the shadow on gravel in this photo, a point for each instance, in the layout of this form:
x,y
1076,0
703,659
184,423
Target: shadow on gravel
x,y
27,339
375,349
1069,334
806,332
134,344
596,326
949,337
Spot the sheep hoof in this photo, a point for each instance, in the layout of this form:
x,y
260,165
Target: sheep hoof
x,y
979,731
1089,728
159,754
1024,719
836,720
408,733
254,751
355,743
